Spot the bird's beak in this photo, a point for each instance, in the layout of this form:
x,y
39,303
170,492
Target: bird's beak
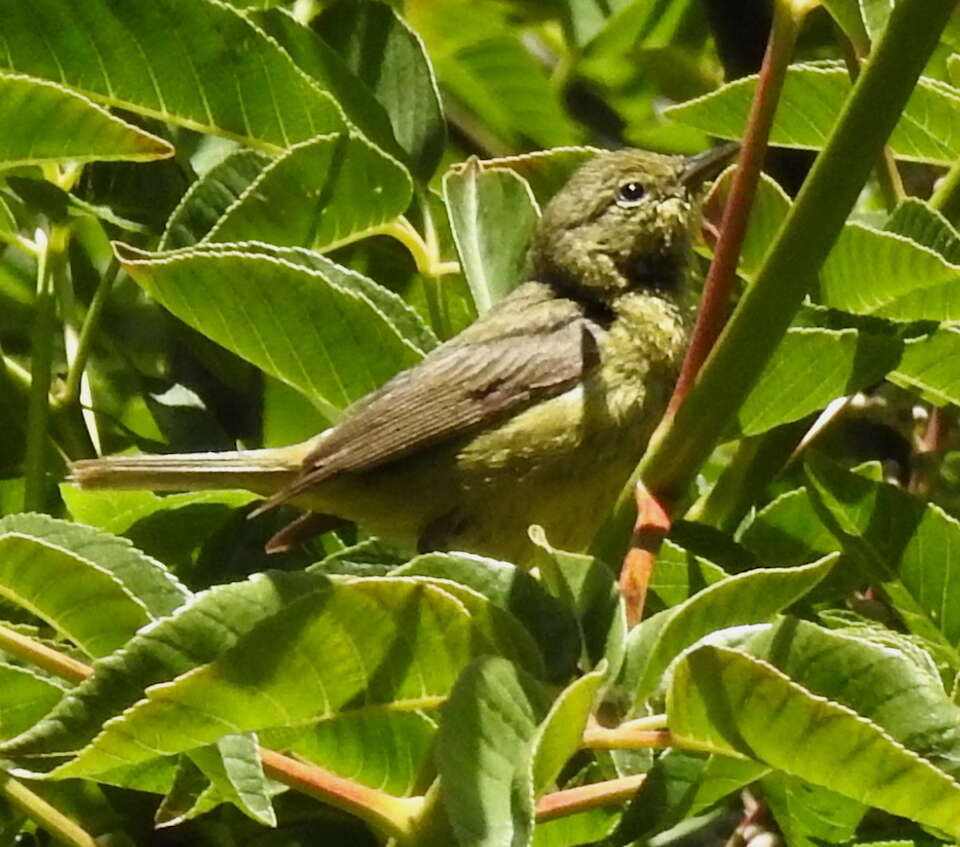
x,y
698,169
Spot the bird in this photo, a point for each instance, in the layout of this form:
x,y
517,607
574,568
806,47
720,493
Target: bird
x,y
535,414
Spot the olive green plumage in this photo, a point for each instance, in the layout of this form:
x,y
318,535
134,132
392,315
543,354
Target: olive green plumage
x,y
535,414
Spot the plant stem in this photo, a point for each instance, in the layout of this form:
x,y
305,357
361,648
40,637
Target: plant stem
x,y
41,363
91,323
63,829
719,283
594,796
39,655
393,816
683,443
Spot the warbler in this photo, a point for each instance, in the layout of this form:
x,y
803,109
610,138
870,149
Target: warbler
x,y
535,414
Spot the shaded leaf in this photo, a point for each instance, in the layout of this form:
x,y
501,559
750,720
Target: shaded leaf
x,y
389,58
750,597
331,333
319,194
725,701
483,753
928,366
209,197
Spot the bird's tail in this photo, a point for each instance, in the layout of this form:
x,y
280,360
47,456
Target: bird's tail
x,y
261,471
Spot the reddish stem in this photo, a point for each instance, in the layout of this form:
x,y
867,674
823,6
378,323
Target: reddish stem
x,y
562,803
652,526
715,302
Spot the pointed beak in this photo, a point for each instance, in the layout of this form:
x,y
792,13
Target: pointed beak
x,y
698,169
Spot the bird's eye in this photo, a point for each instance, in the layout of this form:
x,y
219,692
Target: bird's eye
x,y
630,194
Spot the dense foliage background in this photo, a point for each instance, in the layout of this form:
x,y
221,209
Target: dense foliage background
x,y
224,222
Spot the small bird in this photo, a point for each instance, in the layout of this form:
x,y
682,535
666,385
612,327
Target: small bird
x,y
535,414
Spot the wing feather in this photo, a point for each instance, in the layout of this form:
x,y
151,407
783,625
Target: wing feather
x,y
530,347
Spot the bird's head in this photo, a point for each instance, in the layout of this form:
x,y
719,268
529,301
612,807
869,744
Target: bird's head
x,y
623,222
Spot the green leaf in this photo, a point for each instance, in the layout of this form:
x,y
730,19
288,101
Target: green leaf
x,y
195,634
389,751
493,215
560,734
82,131
328,332
928,366
94,588
25,697
320,194
725,701
682,784
870,272
679,575
197,63
768,210
209,197
906,545
809,815
483,753
788,530
234,769
320,61
551,624
813,95
392,644
920,222
750,597
117,511
789,389
385,53
877,673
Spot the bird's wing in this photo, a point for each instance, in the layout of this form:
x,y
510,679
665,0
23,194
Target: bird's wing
x,y
530,347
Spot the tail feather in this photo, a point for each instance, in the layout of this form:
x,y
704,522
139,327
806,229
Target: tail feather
x,y
260,471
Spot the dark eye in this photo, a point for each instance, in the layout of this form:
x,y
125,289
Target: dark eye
x,y
630,193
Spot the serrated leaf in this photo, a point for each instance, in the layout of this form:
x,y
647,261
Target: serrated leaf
x,y
483,753
209,197
328,332
195,634
906,545
870,672
197,63
320,61
81,132
94,588
813,95
389,751
725,701
395,644
493,215
921,223
749,597
387,55
869,272
319,194
552,625
788,530
789,388
928,366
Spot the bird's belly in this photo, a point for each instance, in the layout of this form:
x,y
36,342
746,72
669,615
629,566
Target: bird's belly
x,y
560,463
